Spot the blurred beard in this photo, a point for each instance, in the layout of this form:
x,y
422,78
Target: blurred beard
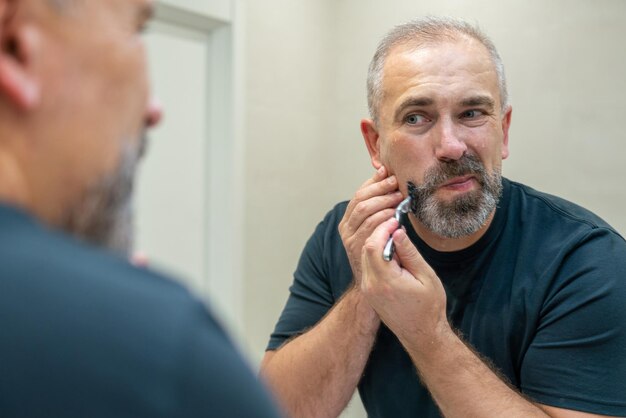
x,y
104,214
465,214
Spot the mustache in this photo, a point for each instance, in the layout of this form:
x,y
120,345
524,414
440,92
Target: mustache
x,y
440,173
444,171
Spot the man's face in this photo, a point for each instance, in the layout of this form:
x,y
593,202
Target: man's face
x,y
98,103
441,129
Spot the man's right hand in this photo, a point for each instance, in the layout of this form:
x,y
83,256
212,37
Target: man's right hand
x,y
330,357
373,203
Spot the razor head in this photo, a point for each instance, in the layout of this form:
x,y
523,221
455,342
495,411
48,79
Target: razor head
x,y
413,192
403,208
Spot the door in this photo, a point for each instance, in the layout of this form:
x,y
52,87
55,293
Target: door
x,y
186,197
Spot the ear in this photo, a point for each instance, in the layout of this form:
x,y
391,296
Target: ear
x,y
371,137
19,44
506,124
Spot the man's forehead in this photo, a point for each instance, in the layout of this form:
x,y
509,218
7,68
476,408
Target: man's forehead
x,y
437,64
439,57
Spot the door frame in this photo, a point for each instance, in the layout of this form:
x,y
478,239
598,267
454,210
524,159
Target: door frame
x,y
225,156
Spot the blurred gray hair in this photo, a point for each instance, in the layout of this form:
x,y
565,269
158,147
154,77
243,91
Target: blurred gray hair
x,y
423,31
63,5
58,4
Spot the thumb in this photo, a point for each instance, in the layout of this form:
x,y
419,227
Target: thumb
x,y
408,256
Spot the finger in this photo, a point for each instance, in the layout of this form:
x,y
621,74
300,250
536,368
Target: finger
x,y
379,188
364,211
372,254
371,223
379,175
367,227
378,184
410,258
377,240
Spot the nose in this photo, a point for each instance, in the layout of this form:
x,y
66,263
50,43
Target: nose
x,y
154,112
450,146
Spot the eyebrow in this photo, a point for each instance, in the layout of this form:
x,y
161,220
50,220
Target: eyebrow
x,y
413,101
479,101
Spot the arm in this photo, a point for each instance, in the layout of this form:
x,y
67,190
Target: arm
x,y
410,299
316,373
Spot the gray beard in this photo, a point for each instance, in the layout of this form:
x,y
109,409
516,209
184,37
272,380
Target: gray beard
x,y
104,214
464,215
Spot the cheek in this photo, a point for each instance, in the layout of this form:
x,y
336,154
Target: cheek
x,y
405,158
389,154
129,111
488,146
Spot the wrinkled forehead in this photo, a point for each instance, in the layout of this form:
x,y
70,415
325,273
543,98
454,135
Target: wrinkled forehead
x,y
440,58
450,64
450,46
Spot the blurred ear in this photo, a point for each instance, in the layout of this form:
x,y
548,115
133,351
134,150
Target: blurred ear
x,y
19,44
371,137
506,124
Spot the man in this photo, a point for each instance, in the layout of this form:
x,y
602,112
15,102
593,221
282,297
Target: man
x,y
501,301
83,333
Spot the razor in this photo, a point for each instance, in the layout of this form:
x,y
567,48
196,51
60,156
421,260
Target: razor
x,y
402,209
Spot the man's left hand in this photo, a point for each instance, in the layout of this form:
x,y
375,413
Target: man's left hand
x,y
405,292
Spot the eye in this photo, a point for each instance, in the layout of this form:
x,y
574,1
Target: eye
x,y
471,114
414,119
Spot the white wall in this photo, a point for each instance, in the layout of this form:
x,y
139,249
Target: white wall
x,y
286,90
189,205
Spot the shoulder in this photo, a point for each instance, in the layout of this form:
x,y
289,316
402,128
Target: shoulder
x,y
333,216
553,213
324,259
326,236
583,256
566,250
82,291
52,265
83,329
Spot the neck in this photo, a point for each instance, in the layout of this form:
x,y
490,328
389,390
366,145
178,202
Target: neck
x,y
13,188
439,243
22,186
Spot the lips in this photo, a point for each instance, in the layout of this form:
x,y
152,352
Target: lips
x,y
457,181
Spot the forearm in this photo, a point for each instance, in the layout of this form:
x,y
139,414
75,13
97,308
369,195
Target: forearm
x,y
462,384
316,374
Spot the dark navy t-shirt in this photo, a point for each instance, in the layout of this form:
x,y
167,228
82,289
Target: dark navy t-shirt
x,y
542,295
85,334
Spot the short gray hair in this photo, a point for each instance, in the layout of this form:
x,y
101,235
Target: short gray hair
x,y
422,31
